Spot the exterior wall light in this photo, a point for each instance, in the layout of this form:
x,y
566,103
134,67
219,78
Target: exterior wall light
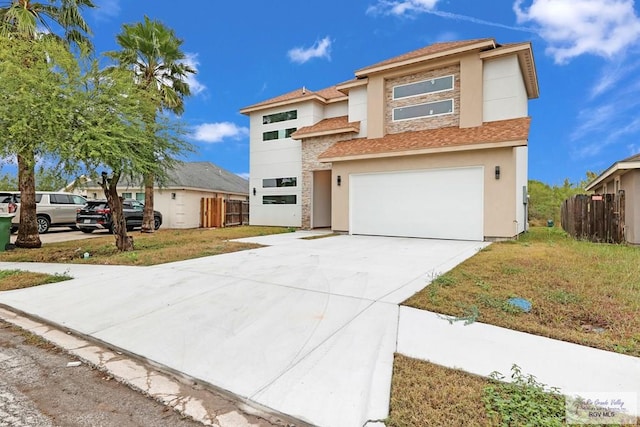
x,y
339,180
497,172
254,191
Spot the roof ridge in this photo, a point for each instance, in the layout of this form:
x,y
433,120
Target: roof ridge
x,y
427,50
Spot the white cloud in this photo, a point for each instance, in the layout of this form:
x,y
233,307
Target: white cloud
x,y
412,7
576,27
320,49
594,120
106,9
194,84
387,7
216,132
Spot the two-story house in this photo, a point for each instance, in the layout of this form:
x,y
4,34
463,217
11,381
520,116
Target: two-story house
x,y
432,143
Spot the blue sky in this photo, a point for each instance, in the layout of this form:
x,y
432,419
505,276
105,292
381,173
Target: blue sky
x,y
586,53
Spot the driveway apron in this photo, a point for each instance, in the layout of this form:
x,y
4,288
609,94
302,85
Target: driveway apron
x,y
305,327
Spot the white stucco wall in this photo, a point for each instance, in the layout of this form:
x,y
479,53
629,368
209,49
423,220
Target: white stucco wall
x,y
504,92
337,109
358,108
521,155
277,159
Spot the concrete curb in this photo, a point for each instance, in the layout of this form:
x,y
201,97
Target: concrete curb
x,y
201,402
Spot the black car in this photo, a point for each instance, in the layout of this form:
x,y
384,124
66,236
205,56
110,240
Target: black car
x,y
96,215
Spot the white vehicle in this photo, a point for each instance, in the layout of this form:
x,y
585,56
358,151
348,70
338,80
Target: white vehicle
x,y
52,208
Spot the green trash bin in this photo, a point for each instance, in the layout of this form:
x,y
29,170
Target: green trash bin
x,y
5,231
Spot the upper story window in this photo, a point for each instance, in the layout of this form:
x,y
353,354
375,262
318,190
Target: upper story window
x,y
429,109
423,87
278,134
280,117
280,182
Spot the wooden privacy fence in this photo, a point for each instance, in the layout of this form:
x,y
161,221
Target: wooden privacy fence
x,y
236,213
598,217
217,212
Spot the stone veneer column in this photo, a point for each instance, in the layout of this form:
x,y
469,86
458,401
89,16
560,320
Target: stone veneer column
x,y
311,148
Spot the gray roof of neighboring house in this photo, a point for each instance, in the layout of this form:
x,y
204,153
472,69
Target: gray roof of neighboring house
x,y
206,175
200,175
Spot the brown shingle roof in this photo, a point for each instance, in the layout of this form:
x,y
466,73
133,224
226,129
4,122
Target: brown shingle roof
x,y
326,94
327,127
425,51
490,132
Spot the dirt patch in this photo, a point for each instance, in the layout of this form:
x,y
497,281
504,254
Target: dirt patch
x,y
38,387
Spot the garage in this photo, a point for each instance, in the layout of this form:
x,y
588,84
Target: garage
x,y
432,203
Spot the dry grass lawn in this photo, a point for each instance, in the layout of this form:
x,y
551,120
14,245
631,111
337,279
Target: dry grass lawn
x,y
17,279
424,394
581,292
150,249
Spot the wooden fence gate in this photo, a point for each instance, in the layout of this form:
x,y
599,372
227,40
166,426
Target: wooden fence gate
x,y
598,217
236,213
217,212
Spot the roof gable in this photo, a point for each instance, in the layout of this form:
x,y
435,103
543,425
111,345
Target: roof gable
x,y
427,53
330,126
326,95
618,168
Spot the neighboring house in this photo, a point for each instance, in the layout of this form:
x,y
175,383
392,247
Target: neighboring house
x,y
623,175
432,143
179,198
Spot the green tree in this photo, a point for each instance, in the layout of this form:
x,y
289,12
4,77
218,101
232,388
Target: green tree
x,y
24,20
545,201
36,80
153,53
8,182
50,179
112,139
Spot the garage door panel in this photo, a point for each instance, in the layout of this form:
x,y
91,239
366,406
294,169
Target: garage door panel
x,y
436,203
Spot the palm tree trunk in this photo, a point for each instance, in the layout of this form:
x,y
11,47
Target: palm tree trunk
x,y
28,236
147,215
124,242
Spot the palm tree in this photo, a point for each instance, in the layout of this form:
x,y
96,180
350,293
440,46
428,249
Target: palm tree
x,y
153,53
32,20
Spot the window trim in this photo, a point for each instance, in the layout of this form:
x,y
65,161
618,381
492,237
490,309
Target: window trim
x,y
453,110
453,85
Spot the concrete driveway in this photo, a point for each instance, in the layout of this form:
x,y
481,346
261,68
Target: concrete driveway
x,y
305,327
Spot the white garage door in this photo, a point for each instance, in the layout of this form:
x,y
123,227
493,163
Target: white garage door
x,y
434,203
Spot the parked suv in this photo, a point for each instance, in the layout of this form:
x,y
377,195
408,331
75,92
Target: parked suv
x,y
52,208
96,215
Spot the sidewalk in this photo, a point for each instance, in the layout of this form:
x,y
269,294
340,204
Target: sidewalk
x,y
480,349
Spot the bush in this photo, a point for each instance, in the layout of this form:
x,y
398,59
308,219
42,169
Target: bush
x,y
523,401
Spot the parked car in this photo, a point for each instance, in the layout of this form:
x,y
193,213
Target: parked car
x,y
96,215
52,208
